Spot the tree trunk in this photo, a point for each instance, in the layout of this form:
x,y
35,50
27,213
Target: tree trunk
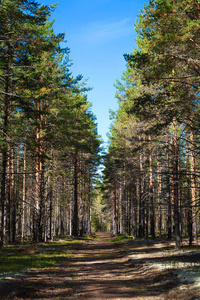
x,y
8,198
115,211
168,190
151,192
134,209
193,188
24,195
39,197
89,229
13,196
176,188
3,194
75,229
159,178
141,196
4,160
188,203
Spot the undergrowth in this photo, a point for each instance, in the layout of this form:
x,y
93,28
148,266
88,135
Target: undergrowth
x,y
18,258
22,257
122,238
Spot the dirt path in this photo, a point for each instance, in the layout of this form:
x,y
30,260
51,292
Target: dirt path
x,y
101,269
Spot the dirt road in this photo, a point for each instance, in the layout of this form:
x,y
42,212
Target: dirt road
x,y
102,269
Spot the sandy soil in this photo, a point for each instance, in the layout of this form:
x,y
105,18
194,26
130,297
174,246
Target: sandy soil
x,y
102,269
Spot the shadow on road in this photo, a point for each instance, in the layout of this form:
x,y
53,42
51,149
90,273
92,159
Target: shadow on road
x,y
101,269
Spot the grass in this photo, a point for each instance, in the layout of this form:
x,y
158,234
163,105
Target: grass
x,y
122,238
19,258
72,240
14,260
30,256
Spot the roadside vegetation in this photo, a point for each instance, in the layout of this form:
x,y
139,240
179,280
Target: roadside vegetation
x,y
119,265
23,257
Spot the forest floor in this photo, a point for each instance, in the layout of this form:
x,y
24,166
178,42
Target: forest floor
x,y
104,268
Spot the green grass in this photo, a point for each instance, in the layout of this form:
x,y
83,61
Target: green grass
x,y
122,238
86,237
20,258
72,240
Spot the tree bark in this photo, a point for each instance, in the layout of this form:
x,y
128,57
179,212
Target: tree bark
x,y
75,229
168,190
13,196
159,178
24,195
193,188
151,192
115,211
176,188
4,159
189,203
140,203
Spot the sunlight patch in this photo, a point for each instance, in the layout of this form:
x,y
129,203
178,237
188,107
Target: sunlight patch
x,y
187,272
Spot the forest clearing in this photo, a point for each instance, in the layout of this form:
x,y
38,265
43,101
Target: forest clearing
x,y
105,267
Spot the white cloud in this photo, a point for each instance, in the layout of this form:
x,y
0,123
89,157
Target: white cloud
x,y
104,31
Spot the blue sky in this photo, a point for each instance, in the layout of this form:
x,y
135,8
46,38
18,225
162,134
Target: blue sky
x,y
98,33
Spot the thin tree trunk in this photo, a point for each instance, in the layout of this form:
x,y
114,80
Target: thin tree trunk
x,y
24,195
4,161
75,230
13,197
145,209
70,216
159,197
176,188
168,189
115,217
50,212
134,209
140,203
39,195
151,191
189,206
8,198
89,229
120,210
193,189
